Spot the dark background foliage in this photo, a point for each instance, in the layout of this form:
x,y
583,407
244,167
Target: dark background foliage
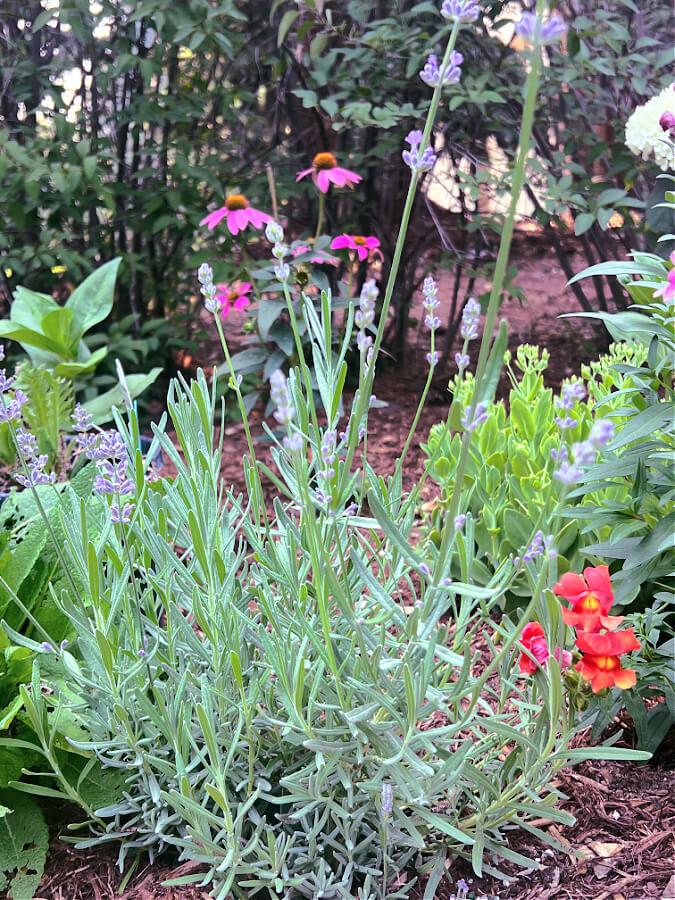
x,y
180,104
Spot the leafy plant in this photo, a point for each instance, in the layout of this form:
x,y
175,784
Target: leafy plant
x,y
508,486
24,839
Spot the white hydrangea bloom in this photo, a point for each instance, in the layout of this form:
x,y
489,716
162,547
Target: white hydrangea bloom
x,y
644,134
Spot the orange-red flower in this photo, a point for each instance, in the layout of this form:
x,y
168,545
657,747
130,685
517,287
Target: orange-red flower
x,y
591,597
600,663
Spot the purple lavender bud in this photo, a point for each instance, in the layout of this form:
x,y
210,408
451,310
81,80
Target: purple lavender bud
x,y
48,647
460,521
82,421
28,444
64,644
280,396
122,516
584,453
601,434
432,358
419,604
387,800
412,157
551,552
533,30
480,415
463,11
567,422
294,442
11,410
5,383
462,360
351,510
470,319
572,391
208,289
559,455
567,474
431,74
424,569
113,478
432,322
536,547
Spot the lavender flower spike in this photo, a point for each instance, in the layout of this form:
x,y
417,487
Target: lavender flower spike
x,y
387,800
412,156
431,74
479,416
462,11
533,30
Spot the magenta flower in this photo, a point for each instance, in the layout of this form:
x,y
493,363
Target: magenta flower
x,y
238,213
234,296
362,245
667,290
325,171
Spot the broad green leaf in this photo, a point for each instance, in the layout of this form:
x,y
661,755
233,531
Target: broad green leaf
x,y
92,301
101,407
24,838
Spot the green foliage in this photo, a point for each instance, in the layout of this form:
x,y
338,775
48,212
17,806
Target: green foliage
x,y
278,691
24,838
508,486
637,529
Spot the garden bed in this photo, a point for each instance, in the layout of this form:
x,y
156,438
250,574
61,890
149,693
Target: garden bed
x,y
621,847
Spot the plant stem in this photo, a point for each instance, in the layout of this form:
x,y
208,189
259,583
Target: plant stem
x,y
531,87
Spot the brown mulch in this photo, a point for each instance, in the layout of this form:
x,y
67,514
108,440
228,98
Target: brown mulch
x,y
620,848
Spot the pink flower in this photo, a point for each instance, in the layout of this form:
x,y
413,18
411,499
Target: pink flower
x,y
564,657
362,245
325,171
238,214
322,258
667,291
233,297
532,638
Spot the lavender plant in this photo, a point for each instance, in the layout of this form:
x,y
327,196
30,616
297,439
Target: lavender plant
x,y
285,696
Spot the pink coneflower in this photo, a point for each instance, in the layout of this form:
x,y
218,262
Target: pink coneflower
x,y
238,214
322,257
325,171
667,290
362,245
233,296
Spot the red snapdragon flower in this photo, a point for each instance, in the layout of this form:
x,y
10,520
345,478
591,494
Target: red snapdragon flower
x,y
591,597
325,171
362,245
600,663
237,214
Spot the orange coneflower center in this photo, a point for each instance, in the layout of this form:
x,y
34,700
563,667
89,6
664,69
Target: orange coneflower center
x,y
606,663
324,161
236,201
360,240
590,604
